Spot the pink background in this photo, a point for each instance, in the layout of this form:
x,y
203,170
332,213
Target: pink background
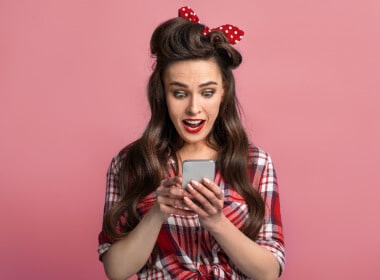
x,y
72,94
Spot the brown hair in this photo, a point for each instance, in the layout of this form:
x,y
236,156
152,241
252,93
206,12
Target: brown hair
x,y
145,160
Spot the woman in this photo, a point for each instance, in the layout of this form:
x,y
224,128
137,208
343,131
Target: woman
x,y
229,228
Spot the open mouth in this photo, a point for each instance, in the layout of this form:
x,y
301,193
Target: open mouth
x,y
193,126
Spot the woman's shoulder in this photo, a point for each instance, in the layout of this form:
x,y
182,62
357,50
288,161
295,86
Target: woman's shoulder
x,y
117,160
257,156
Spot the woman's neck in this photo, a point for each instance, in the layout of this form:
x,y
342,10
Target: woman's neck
x,y
201,151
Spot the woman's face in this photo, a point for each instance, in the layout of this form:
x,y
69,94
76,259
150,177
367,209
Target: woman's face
x,y
194,91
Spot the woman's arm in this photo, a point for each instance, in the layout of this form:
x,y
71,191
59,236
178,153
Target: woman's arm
x,y
127,256
252,259
259,259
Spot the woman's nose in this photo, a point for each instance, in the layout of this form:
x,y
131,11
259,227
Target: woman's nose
x,y
194,106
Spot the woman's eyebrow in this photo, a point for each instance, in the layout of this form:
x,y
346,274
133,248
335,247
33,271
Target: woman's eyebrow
x,y
206,84
179,84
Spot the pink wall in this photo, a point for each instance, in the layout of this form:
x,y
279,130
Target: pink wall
x,y
72,93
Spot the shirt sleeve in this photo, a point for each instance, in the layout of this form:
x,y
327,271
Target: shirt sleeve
x,y
112,196
271,234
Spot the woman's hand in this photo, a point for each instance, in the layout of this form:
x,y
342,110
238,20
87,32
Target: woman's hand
x,y
170,198
207,200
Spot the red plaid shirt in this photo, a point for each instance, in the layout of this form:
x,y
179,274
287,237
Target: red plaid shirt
x,y
186,250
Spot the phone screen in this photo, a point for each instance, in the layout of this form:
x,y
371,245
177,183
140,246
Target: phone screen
x,y
197,170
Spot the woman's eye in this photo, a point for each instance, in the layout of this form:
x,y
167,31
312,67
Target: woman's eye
x,y
179,94
208,93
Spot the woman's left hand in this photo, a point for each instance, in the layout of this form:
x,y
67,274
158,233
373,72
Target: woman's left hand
x,y
206,200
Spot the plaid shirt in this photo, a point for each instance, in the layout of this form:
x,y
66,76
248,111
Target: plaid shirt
x,y
186,250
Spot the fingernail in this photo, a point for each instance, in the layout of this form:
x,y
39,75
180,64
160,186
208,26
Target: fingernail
x,y
195,183
190,187
207,181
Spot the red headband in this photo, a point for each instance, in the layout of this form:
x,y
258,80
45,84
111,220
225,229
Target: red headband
x,y
233,33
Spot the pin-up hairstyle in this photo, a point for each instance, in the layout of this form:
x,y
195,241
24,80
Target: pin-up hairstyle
x,y
145,160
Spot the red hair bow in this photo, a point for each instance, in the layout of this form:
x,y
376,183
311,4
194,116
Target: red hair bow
x,y
233,33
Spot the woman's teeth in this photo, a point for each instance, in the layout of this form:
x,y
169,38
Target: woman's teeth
x,y
193,123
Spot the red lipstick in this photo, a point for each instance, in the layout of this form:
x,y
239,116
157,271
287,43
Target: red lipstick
x,y
193,125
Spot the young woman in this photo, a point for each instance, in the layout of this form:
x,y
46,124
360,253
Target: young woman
x,y
225,228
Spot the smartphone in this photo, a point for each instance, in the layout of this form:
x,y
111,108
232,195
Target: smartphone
x,y
197,169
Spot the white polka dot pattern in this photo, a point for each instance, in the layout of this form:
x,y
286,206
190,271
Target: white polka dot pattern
x,y
233,33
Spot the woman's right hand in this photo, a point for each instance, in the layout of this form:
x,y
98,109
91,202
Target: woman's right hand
x,y
170,198
140,242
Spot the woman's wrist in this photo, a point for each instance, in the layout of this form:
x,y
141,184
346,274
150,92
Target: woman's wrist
x,y
220,225
154,214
